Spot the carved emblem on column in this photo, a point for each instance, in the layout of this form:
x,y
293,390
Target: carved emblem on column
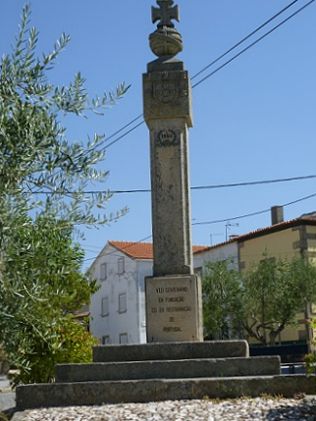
x,y
167,137
165,91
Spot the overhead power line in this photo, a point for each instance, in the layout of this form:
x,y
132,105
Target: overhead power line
x,y
121,129
205,187
253,44
214,62
216,221
123,135
244,39
254,183
247,215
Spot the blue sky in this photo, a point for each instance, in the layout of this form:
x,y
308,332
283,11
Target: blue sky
x,y
253,120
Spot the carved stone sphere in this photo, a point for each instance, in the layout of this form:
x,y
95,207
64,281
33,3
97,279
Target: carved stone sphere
x,y
165,42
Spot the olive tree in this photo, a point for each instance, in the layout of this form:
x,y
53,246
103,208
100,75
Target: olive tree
x,y
43,177
262,301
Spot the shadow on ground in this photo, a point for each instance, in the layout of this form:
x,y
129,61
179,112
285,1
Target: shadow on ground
x,y
301,412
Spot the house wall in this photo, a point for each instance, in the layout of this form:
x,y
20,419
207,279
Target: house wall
x,y
310,238
132,322
116,323
144,268
280,244
226,252
132,282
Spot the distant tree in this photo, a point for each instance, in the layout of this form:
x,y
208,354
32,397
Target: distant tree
x,y
222,300
264,300
275,291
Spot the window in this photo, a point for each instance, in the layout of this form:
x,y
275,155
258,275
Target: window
x,y
120,265
123,338
105,340
103,271
105,306
122,303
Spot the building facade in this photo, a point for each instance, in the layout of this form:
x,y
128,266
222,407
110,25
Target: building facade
x,y
284,240
281,240
117,309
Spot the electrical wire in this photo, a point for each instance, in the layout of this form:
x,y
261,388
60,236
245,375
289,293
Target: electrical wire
x,y
234,218
243,40
255,183
247,215
122,136
216,61
120,130
205,187
252,44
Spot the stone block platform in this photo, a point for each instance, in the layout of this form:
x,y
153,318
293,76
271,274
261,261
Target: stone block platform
x,y
168,371
171,351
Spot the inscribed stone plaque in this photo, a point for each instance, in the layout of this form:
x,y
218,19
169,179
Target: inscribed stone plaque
x,y
173,309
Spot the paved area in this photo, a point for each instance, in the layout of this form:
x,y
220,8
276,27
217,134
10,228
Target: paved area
x,y
4,383
7,397
270,409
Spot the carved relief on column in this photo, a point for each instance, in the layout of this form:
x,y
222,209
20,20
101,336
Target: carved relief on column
x,y
167,137
170,205
167,96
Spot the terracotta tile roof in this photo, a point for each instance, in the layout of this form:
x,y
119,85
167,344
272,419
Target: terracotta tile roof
x,y
143,251
303,220
134,249
197,249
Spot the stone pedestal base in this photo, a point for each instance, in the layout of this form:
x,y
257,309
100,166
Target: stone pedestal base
x,y
173,308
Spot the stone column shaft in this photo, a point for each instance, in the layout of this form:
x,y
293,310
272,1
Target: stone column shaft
x,y
167,106
170,197
173,293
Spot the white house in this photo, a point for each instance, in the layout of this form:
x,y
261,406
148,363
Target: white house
x,y
117,309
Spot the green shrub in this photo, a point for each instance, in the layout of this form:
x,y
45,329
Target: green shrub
x,y
3,356
67,341
4,364
310,360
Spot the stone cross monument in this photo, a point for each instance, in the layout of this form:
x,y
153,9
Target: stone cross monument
x,y
173,294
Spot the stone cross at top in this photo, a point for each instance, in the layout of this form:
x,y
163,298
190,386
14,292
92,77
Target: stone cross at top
x,y
165,13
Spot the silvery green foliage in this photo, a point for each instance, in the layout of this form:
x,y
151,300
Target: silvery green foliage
x,y
259,303
41,283
35,154
222,301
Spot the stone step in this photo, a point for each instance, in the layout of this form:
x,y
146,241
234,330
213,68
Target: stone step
x,y
171,351
176,369
98,393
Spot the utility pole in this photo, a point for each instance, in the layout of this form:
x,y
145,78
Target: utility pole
x,y
227,227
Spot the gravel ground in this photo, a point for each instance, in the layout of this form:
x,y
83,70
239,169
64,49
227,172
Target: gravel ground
x,y
207,410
